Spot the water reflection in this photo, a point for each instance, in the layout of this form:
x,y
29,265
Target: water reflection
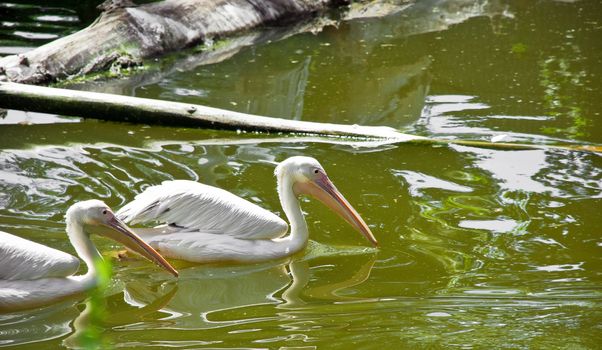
x,y
203,298
206,295
563,174
80,326
101,313
295,88
356,73
34,326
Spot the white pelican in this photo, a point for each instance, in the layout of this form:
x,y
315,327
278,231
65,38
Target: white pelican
x,y
33,275
207,224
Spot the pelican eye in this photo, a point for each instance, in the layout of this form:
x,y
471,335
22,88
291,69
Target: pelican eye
x,y
104,212
316,171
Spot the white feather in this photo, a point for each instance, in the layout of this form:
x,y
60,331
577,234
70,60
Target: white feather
x,y
21,259
27,294
208,247
33,275
193,206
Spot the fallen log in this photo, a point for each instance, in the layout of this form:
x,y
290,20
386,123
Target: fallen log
x,y
126,33
148,111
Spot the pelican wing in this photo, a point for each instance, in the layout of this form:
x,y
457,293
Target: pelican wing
x,y
21,259
192,206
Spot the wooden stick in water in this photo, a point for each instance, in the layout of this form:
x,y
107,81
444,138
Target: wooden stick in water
x,y
149,111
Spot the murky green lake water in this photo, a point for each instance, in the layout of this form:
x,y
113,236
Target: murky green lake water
x,y
479,247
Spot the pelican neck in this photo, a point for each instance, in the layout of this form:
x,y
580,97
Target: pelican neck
x,y
290,205
84,247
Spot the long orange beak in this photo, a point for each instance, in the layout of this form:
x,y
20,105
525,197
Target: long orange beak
x,y
325,191
119,232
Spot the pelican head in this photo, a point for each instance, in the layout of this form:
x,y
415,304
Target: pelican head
x,y
308,177
95,217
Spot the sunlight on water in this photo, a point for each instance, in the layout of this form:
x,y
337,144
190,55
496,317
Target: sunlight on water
x,y
462,239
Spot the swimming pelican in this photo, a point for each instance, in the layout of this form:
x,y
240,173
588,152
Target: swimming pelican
x,y
33,275
207,224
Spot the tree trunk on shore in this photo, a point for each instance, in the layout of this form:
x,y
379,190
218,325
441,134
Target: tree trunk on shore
x,y
124,34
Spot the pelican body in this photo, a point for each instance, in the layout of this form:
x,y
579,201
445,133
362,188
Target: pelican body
x,y
33,275
202,223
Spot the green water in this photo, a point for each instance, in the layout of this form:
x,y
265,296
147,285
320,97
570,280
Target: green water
x,y
479,248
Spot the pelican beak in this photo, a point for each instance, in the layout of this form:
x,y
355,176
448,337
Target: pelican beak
x,y
325,191
119,232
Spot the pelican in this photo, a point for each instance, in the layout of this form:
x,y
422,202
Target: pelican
x,y
202,223
33,275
